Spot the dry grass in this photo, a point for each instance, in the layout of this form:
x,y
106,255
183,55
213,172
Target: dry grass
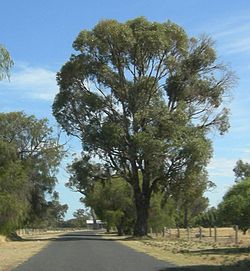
x,y
13,253
224,235
195,254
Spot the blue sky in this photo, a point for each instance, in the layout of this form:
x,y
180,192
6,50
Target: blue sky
x,y
39,35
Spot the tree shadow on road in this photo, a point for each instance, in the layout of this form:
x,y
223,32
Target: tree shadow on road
x,y
243,265
229,250
72,237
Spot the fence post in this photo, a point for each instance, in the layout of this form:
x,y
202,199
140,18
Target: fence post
x,y
163,232
178,233
236,234
151,231
210,232
200,233
215,234
188,233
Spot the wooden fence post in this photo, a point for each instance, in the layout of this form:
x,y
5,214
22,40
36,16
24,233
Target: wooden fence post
x,y
178,233
188,233
236,235
215,234
151,231
200,233
163,231
210,232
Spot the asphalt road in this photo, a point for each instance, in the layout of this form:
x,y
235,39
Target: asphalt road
x,y
85,251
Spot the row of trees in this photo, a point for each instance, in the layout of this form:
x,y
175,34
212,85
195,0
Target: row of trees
x,y
112,201
142,98
235,206
29,158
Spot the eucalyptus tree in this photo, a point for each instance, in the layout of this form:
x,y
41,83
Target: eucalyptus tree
x,y
142,97
37,151
112,202
241,170
234,208
5,62
13,189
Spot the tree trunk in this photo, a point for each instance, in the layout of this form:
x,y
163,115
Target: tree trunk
x,y
244,231
120,230
142,208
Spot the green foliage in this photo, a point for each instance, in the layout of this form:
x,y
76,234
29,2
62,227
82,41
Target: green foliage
x,y
81,217
142,96
13,189
188,195
29,157
112,202
234,209
55,212
161,213
241,170
84,174
5,62
209,218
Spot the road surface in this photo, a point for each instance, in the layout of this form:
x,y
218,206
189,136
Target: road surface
x,y
85,251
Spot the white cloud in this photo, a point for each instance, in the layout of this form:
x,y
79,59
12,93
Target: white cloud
x,y
222,167
232,30
33,82
231,34
238,45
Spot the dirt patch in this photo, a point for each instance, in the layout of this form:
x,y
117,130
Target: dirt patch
x,y
2,239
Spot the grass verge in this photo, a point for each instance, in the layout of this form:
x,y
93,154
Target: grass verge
x,y
194,255
14,253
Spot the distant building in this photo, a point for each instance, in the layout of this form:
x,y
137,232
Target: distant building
x,y
97,225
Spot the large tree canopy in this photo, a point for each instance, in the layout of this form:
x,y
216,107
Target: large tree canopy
x,y
142,96
29,158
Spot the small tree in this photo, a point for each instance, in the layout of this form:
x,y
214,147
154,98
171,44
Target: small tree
x,y
111,200
142,96
81,217
5,62
209,218
234,209
162,213
188,190
55,212
241,170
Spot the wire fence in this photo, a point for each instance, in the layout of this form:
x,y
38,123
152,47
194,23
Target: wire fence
x,y
215,234
218,235
30,231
